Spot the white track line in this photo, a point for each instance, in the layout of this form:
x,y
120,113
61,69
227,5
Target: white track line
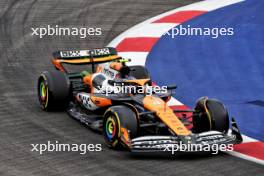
x,y
246,157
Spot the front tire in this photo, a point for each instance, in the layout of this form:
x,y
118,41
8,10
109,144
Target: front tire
x,y
213,116
115,118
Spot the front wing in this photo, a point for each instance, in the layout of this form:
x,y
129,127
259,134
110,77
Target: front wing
x,y
192,143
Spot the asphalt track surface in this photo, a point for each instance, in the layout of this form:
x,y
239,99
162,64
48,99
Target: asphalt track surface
x,y
22,122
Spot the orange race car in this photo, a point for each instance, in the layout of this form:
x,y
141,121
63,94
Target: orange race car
x,y
139,119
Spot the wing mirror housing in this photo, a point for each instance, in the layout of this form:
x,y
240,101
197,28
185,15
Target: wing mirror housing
x,y
172,87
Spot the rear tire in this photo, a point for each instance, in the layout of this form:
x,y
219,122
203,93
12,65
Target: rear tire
x,y
213,116
53,90
115,118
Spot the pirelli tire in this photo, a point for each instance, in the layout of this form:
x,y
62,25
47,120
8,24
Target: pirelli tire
x,y
53,90
139,72
213,115
116,118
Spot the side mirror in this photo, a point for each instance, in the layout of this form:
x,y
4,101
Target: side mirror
x,y
171,87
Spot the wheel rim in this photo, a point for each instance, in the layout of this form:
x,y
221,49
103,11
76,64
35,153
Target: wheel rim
x,y
110,128
43,93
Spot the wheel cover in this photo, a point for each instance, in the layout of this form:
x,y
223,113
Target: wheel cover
x,y
110,128
43,93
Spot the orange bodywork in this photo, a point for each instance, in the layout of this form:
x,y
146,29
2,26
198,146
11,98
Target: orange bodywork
x,y
151,103
87,80
125,136
57,64
101,101
166,114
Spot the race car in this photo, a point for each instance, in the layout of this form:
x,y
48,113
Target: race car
x,y
139,121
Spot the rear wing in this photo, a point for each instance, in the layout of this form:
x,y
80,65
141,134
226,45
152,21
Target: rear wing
x,y
77,54
93,56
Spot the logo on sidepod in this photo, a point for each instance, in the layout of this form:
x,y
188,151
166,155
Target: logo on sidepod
x,y
87,101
